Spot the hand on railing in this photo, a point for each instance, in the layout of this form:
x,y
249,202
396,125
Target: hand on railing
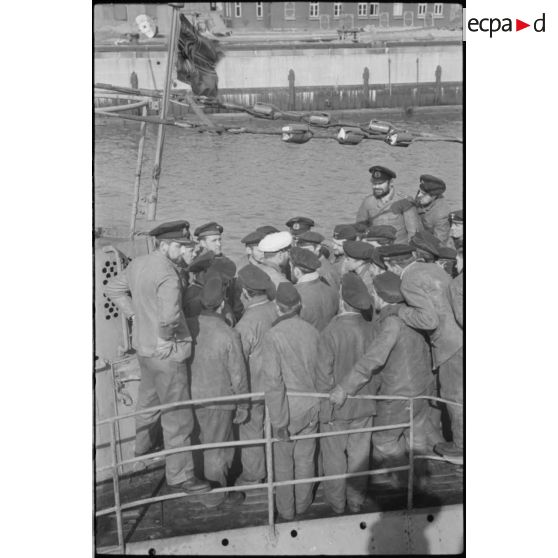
x,y
241,415
282,434
338,395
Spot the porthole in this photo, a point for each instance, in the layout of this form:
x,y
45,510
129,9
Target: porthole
x,y
362,525
225,542
294,533
107,305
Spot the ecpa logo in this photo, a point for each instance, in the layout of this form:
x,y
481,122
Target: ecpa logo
x,y
494,24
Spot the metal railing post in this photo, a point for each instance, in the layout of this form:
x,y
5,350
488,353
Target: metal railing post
x,y
116,487
174,31
269,464
411,456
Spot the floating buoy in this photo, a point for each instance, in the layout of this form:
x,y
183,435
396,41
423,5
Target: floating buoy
x,y
378,127
320,119
296,133
399,139
350,136
264,110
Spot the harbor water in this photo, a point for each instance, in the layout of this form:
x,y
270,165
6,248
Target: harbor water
x,y
247,180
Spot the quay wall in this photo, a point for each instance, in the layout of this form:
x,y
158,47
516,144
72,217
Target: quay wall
x,y
312,78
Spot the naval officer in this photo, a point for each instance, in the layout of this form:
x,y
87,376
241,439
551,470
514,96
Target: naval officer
x,y
163,342
386,207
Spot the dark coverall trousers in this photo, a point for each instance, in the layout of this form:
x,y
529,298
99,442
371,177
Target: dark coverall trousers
x,y
295,460
253,457
390,445
346,453
451,387
216,426
165,381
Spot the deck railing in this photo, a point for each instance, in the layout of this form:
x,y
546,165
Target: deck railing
x,y
268,441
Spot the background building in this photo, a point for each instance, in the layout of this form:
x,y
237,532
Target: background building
x,y
334,15
284,16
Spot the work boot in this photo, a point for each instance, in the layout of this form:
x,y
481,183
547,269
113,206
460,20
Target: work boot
x,y
232,500
355,508
192,485
449,451
240,481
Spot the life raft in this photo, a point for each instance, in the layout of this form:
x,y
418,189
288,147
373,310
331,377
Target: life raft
x,y
350,136
379,127
296,133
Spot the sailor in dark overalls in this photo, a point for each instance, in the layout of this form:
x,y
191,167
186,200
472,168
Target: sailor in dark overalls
x,y
163,342
433,209
210,239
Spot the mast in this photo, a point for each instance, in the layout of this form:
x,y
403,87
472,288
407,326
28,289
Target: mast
x,y
152,199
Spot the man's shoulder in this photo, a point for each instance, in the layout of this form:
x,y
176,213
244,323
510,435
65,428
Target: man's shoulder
x,y
254,314
345,322
402,203
441,207
422,271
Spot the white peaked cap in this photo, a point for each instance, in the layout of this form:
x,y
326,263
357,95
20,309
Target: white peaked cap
x,y
275,241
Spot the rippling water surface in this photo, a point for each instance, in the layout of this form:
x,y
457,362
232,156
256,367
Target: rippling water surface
x,y
244,181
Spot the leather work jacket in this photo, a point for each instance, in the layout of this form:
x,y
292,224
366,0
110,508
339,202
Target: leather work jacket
x,y
396,210
290,351
216,365
435,219
253,325
398,354
425,287
342,343
320,302
150,288
456,298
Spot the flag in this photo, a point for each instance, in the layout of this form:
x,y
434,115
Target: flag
x,y
196,59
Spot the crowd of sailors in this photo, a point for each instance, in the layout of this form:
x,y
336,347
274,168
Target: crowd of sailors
x,y
377,309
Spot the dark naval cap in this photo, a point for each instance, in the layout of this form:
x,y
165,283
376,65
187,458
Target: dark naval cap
x,y
357,249
252,277
304,259
253,238
300,224
287,295
224,266
311,237
361,227
376,259
354,291
267,229
395,251
213,292
432,185
202,262
344,232
456,216
447,253
381,174
208,229
423,240
388,286
179,231
381,233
